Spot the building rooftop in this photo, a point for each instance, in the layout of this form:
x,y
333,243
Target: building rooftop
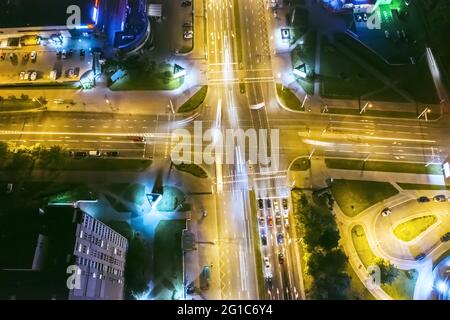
x,y
42,13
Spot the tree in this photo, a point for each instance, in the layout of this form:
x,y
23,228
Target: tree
x,y
388,272
137,264
54,155
3,149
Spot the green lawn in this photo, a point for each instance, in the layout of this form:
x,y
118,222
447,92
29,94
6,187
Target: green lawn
x,y
355,196
168,260
416,186
195,101
403,286
384,166
171,199
381,113
117,204
139,78
135,193
411,229
288,98
192,169
306,54
343,78
237,19
7,105
301,164
73,195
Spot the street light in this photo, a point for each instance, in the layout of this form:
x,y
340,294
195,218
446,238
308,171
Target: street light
x,y
367,105
425,112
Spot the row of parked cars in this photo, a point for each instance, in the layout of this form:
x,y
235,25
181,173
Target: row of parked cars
x,y
93,153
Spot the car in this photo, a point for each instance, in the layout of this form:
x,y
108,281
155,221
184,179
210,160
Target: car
x,y
264,240
22,75
138,139
286,222
387,35
261,221
27,75
420,256
205,277
33,76
440,198
386,212
445,237
187,24
423,199
82,53
78,154
270,220
365,17
269,283
284,202
260,203
276,207
70,73
278,221
281,258
188,34
53,75
112,154
268,203
280,238
64,54
266,262
186,3
33,56
95,153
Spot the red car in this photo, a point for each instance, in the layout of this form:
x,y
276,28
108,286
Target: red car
x,y
270,221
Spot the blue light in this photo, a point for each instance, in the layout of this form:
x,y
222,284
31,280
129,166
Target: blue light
x,y
95,15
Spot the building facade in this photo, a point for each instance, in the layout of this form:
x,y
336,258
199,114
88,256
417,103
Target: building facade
x,y
66,254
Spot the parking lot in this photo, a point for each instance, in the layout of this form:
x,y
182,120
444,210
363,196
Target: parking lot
x,y
45,63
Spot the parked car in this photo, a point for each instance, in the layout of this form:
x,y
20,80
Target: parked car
x,y
278,221
420,256
95,153
423,199
22,75
281,258
445,237
138,139
386,212
261,221
440,198
112,154
188,34
269,203
33,56
78,154
33,76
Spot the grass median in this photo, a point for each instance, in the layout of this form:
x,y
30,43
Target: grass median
x,y
288,99
383,166
411,229
195,101
301,164
355,196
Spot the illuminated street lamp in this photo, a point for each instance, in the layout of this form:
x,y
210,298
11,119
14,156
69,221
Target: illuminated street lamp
x,y
425,113
367,105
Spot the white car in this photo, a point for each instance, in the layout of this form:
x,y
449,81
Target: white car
x,y
266,263
33,56
33,76
386,212
188,34
22,75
